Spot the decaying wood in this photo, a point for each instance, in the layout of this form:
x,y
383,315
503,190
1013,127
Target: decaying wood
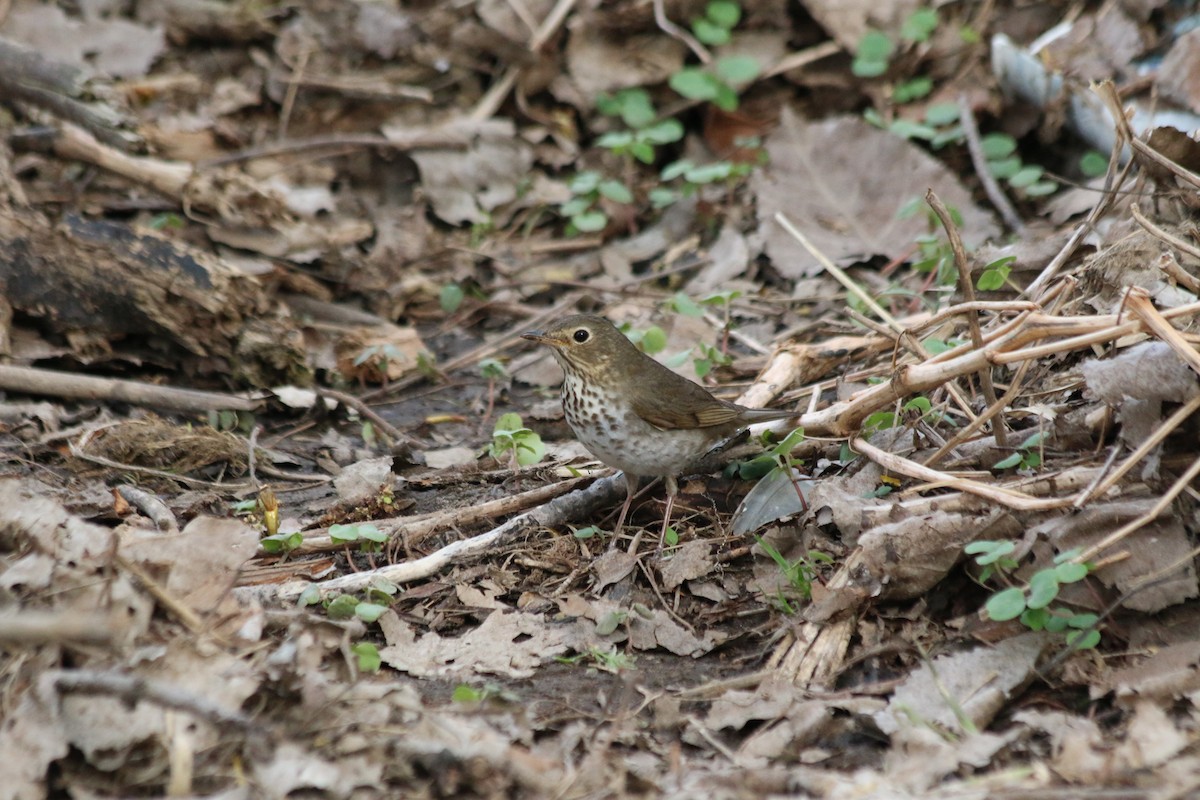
x,y
102,279
64,91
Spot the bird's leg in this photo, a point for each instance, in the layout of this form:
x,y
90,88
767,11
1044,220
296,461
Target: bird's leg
x,y
631,486
672,490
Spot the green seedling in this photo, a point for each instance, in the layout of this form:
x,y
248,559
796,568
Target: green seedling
x,y
451,297
709,359
369,537
494,372
717,83
650,341
465,693
515,443
610,660
799,573
645,133
368,656
1004,162
720,18
1027,456
1031,603
995,274
581,210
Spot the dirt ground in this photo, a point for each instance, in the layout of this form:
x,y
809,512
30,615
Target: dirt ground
x,y
289,508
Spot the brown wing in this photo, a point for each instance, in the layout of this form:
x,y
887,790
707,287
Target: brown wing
x,y
670,402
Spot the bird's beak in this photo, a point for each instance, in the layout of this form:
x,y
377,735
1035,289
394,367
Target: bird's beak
x,y
541,338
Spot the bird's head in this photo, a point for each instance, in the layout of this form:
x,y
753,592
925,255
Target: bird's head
x,y
584,344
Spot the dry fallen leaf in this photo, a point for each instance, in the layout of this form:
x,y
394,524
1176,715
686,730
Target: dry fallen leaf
x,y
843,183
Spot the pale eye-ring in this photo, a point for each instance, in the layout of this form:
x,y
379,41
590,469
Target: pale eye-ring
x,y
581,335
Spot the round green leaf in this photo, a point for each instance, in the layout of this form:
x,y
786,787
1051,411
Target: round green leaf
x,y
1005,605
643,151
942,114
590,221
1056,623
676,168
1093,164
1043,588
584,182
694,84
991,552
372,533
1035,618
1041,189
1083,640
1008,463
914,89
636,109
1026,176
737,69
341,607
665,132
451,297
710,34
919,404
530,449
998,145
616,191
614,140
708,173
919,25
724,13
1004,167
368,656
609,622
654,340
875,46
369,612
343,533
576,205
990,281
909,129
661,197
867,68
310,596
726,99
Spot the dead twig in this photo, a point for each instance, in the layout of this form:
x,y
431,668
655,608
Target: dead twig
x,y
910,342
28,627
350,401
997,494
1112,182
412,530
556,512
134,689
992,189
73,386
154,509
675,32
968,290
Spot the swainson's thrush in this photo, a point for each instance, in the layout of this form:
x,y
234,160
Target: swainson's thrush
x,y
632,412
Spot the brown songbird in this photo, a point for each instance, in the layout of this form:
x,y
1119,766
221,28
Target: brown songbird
x,y
632,412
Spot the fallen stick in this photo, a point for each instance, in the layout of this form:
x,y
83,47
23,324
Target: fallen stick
x,y
73,386
412,530
557,512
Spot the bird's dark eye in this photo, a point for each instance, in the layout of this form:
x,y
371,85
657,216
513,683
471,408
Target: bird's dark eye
x,y
581,335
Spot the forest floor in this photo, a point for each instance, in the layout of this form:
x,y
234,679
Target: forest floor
x,y
290,508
